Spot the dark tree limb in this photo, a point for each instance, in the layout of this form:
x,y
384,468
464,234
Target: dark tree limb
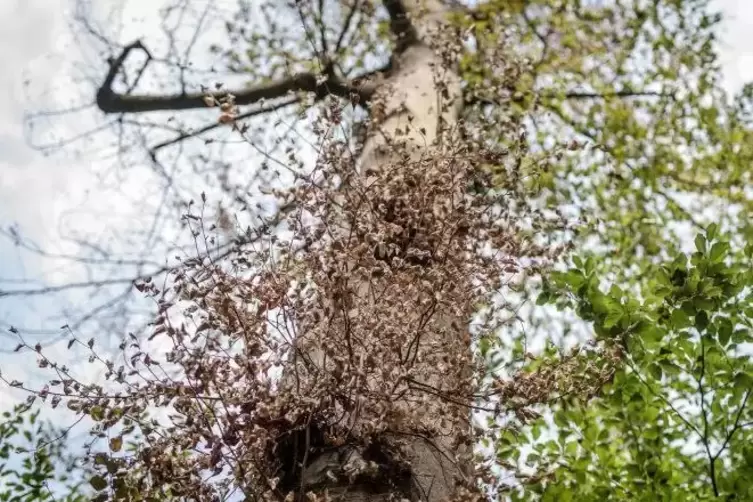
x,y
578,96
110,101
400,25
363,87
346,26
183,136
617,94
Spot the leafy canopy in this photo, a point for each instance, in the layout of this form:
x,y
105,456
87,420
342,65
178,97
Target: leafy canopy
x,y
674,424
667,152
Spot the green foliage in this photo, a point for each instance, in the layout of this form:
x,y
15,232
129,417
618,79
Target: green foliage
x,y
659,151
635,87
34,465
675,423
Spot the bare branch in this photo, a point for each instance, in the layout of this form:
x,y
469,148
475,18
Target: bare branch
x,y
68,286
361,86
578,96
346,26
110,101
251,113
617,94
400,25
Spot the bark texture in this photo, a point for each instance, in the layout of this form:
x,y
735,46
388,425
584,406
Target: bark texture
x,y
421,457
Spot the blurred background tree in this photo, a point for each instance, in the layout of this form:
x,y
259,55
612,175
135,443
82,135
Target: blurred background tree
x,y
36,461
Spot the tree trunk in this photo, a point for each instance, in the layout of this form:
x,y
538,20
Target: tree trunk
x,y
394,343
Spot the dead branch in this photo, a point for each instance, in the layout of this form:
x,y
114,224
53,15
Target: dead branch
x,y
400,25
110,101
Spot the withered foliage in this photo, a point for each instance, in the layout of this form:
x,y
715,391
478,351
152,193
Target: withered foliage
x,y
351,331
337,354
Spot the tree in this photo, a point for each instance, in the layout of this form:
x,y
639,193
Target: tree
x,y
675,422
34,464
378,295
659,75
365,310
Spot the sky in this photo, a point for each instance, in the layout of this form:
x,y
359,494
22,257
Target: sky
x,y
736,41
39,192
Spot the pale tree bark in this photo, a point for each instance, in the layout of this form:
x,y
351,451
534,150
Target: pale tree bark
x,y
374,402
413,107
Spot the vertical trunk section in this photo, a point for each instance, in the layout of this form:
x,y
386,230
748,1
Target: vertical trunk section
x,y
391,334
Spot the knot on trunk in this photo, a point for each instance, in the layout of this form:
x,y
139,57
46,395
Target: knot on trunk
x,y
308,458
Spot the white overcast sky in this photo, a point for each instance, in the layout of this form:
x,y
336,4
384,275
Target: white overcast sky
x,y
35,191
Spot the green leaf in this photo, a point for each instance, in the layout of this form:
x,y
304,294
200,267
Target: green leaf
x,y
701,321
98,483
724,331
97,413
711,231
680,319
718,251
743,381
612,318
700,243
